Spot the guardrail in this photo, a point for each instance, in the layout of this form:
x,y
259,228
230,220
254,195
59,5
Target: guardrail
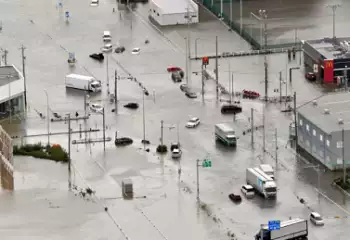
x,y
246,53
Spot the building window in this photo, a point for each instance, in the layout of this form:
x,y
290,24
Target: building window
x,y
301,122
307,127
327,143
340,144
321,137
314,132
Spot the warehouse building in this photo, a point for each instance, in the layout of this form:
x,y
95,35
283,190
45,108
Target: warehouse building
x,y
170,12
329,59
11,91
324,128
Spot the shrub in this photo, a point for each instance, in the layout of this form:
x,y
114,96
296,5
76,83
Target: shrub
x,y
162,149
54,152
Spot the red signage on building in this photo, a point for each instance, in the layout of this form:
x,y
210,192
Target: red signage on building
x,y
328,74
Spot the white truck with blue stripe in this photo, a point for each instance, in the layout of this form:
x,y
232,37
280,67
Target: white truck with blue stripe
x,y
225,134
261,182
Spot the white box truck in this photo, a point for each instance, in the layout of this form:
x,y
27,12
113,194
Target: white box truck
x,y
289,230
268,170
225,134
262,183
83,83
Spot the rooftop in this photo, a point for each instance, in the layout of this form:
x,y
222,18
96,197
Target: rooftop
x,y
326,112
8,74
330,48
179,6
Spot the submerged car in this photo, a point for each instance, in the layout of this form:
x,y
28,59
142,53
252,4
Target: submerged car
x,y
95,107
193,122
248,191
191,94
135,51
316,219
310,76
107,47
235,198
97,56
231,108
176,77
119,50
184,87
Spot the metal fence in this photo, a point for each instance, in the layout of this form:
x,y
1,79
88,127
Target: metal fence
x,y
6,161
251,31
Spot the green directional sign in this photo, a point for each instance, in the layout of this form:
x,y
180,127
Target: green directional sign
x,y
206,163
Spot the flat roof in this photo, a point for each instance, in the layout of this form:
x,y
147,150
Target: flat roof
x,y
338,105
330,48
8,74
178,6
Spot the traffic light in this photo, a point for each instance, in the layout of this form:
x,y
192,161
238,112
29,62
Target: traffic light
x,y
205,61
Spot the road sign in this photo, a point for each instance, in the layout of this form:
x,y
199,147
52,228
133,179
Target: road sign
x,y
274,225
67,14
206,163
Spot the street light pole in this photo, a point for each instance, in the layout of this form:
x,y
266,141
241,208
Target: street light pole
x,y
195,47
334,9
48,117
343,155
69,159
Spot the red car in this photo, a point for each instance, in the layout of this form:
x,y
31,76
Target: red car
x,y
174,69
310,76
250,94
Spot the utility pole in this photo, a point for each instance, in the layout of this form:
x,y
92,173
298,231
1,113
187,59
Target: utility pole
x,y
295,117
115,91
104,129
24,75
334,9
217,68
240,16
197,168
263,15
107,76
143,120
69,159
161,132
48,117
186,58
346,78
202,83
276,149
5,56
188,45
280,86
264,132
343,154
230,14
252,126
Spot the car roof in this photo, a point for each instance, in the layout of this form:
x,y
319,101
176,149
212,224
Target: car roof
x,y
316,214
105,32
194,118
248,186
108,44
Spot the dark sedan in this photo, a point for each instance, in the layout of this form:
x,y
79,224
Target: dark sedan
x,y
310,76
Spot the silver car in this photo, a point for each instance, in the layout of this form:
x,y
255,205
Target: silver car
x,y
248,191
316,219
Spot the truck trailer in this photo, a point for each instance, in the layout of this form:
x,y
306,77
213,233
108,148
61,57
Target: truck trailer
x,y
225,134
261,182
268,170
82,82
294,229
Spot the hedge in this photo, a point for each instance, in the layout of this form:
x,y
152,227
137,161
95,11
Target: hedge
x,y
54,152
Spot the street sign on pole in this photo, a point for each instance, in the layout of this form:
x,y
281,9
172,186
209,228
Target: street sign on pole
x,y
206,163
274,225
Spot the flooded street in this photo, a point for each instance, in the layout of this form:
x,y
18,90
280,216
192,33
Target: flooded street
x,y
164,205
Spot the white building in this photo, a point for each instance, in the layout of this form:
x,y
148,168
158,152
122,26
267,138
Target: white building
x,y
11,91
173,12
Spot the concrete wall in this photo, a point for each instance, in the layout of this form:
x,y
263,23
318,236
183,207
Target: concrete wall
x,y
156,13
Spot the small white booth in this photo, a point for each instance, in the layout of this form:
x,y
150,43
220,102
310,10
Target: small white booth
x,y
170,12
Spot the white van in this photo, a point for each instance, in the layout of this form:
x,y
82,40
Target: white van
x,y
107,36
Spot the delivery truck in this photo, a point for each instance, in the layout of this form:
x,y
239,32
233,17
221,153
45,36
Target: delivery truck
x,y
225,134
268,170
262,183
83,83
294,229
